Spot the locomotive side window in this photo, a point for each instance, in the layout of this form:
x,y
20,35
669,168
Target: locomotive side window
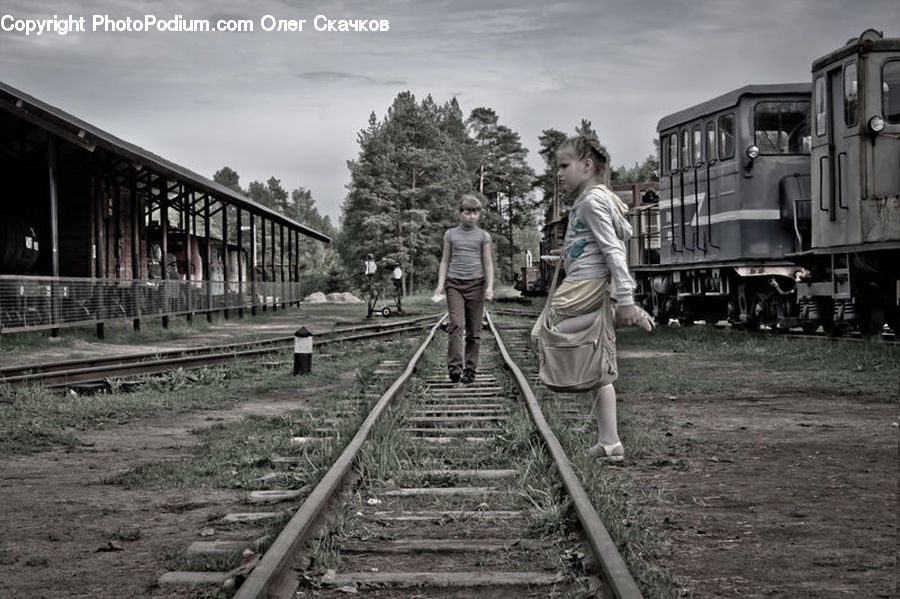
x,y
697,145
851,95
711,140
664,162
821,103
726,136
685,148
782,127
673,152
890,85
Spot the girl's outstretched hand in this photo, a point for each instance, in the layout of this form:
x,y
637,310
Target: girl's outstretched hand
x,y
633,315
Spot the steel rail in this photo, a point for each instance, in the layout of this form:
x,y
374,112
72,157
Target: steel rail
x,y
277,560
13,371
616,573
95,370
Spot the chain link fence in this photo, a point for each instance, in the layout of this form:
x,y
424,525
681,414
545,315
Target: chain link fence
x,y
31,303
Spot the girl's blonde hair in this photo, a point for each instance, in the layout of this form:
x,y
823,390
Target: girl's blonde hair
x,y
469,201
584,147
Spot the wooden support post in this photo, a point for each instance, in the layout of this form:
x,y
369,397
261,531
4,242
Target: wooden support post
x,y
164,228
262,231
137,214
240,262
226,270
54,235
252,269
207,258
274,274
297,267
281,266
100,253
187,252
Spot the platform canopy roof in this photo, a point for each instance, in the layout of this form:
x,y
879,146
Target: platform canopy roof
x,y
89,137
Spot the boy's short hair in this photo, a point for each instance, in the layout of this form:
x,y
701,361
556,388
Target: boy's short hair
x,y
469,201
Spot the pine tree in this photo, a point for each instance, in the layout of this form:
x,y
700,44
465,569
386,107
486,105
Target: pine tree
x,y
411,167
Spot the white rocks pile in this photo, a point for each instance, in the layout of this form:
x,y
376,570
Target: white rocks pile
x,y
335,298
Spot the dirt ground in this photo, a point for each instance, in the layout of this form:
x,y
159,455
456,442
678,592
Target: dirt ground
x,y
788,495
59,517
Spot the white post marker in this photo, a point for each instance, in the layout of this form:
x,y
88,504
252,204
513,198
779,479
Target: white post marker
x,y
303,342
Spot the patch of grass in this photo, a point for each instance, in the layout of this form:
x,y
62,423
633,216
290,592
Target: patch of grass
x,y
611,489
235,455
37,419
37,561
17,346
238,455
733,360
176,560
34,419
126,533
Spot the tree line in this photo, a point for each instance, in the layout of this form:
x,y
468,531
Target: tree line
x,y
412,167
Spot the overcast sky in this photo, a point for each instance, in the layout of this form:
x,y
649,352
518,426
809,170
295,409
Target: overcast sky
x,y
290,104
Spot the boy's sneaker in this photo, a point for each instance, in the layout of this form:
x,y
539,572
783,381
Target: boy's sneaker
x,y
468,376
455,373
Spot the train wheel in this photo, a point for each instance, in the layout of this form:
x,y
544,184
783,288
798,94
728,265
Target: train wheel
x,y
833,329
659,308
809,327
872,322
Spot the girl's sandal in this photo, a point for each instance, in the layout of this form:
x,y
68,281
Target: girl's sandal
x,y
608,453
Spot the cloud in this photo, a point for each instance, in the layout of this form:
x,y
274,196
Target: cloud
x,y
344,77
290,104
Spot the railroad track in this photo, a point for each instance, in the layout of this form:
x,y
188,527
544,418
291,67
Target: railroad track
x,y
94,371
450,512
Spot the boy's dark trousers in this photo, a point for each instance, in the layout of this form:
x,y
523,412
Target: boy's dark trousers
x,y
465,303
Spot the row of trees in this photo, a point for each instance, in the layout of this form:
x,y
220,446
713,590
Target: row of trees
x,y
413,166
405,184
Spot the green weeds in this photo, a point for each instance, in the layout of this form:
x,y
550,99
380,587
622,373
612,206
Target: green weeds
x,y
736,361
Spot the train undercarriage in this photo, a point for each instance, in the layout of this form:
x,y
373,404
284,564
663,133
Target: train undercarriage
x,y
778,296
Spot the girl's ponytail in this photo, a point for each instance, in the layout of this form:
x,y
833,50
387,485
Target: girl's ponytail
x,y
590,147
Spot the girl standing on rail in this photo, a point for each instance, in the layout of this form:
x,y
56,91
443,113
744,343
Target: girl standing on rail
x,y
594,259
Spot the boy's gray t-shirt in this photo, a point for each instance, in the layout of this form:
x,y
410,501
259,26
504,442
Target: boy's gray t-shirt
x,y
466,244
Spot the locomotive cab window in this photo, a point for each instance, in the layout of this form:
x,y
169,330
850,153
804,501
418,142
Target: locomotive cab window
x,y
890,85
726,136
685,148
851,95
821,103
782,127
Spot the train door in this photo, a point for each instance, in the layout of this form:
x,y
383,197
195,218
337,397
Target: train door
x,y
710,190
697,193
670,204
686,194
835,204
880,133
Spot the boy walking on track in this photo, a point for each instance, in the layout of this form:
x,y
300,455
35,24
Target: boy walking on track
x,y
467,275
